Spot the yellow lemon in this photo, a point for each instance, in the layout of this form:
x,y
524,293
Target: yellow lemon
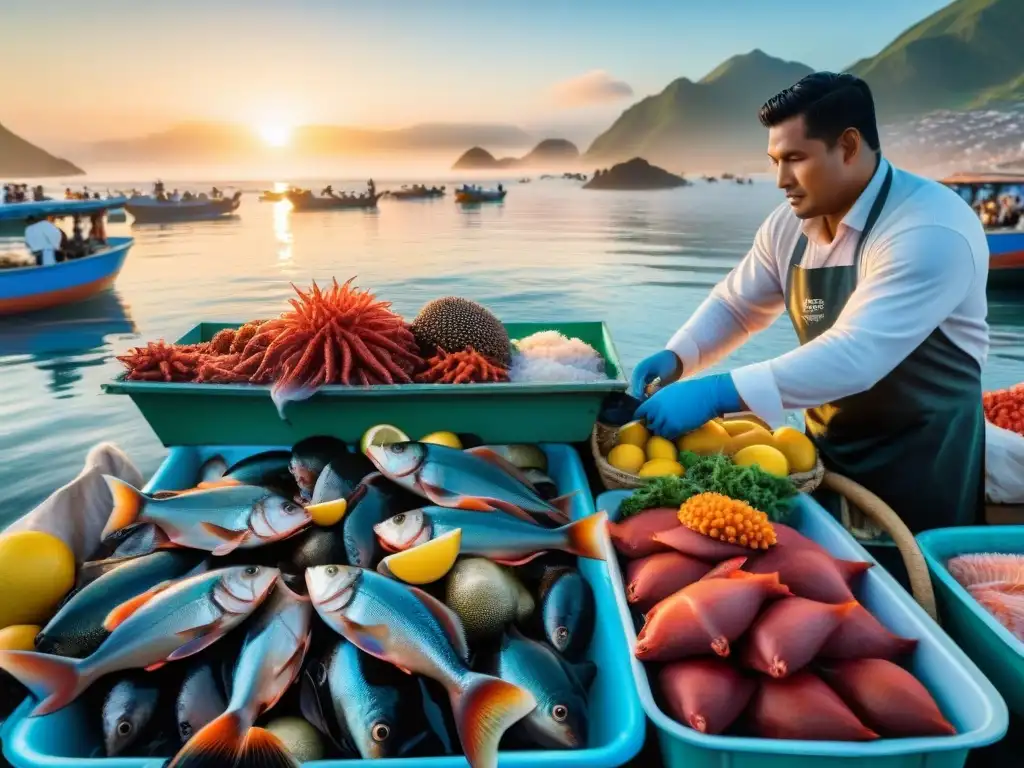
x,y
449,439
328,513
771,460
660,448
19,637
661,467
756,435
382,434
627,458
36,571
634,433
739,426
425,563
709,438
797,448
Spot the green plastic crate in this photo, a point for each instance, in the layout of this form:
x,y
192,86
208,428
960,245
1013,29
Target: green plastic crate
x,y
243,414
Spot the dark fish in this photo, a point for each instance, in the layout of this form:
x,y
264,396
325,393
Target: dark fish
x,y
340,477
366,707
309,458
560,720
545,486
129,710
270,470
567,611
76,629
201,698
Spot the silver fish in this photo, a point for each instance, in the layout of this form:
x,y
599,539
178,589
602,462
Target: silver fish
x,y
169,622
128,709
407,627
474,479
200,700
217,520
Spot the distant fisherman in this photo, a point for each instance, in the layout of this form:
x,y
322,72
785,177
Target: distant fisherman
x,y
883,275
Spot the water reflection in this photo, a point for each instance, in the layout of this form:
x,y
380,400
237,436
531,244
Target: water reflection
x,y
64,340
283,228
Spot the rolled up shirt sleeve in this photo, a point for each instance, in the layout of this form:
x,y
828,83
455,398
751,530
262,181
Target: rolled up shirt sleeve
x,y
747,300
913,282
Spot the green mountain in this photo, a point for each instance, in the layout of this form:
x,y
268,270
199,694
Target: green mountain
x,y
707,121
971,53
21,160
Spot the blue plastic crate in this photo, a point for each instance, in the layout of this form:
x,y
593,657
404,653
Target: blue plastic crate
x,y
989,644
617,724
965,696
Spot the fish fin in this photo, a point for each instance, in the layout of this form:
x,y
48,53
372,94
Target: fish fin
x,y
155,666
54,681
221,482
484,708
520,561
262,749
296,658
232,539
128,504
196,639
585,538
493,457
166,494
850,568
508,508
724,568
370,638
215,745
440,496
564,504
118,615
448,619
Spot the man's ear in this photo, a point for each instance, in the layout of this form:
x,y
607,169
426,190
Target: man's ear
x,y
851,143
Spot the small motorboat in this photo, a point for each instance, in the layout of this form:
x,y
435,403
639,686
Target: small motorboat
x,y
307,201
480,195
147,209
24,289
417,193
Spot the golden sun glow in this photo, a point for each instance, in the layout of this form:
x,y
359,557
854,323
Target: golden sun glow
x,y
275,134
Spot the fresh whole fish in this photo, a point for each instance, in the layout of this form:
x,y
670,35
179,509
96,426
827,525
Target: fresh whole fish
x,y
567,611
474,479
269,469
77,629
486,597
340,477
218,520
408,628
128,711
201,698
560,720
308,459
367,707
270,660
494,535
169,622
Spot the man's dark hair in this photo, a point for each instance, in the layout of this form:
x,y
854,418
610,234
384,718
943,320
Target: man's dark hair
x,y
830,104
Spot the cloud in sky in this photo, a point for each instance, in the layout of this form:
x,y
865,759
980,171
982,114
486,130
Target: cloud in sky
x,y
596,87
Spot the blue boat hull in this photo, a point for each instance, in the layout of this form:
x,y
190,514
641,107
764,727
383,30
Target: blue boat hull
x,y
26,289
1006,260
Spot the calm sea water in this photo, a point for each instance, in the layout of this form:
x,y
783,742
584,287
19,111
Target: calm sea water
x,y
552,251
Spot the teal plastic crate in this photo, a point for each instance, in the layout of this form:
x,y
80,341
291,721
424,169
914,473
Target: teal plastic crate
x,y
243,414
991,645
617,724
963,693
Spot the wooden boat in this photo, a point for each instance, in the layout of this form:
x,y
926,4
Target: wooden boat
x,y
307,201
24,289
417,194
149,210
1005,245
480,195
14,216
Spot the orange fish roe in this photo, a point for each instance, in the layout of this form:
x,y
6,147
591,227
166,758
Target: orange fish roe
x,y
726,519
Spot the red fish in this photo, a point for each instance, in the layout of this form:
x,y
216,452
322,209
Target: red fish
x,y
804,707
861,636
634,536
694,544
789,633
707,694
809,573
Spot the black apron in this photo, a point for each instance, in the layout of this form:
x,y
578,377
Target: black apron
x,y
916,438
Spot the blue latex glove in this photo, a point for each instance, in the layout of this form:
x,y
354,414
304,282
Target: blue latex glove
x,y
682,407
664,365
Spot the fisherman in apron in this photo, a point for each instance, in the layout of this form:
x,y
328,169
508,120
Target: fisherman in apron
x,y
883,276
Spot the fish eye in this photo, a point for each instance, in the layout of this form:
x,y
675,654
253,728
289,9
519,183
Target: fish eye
x,y
290,507
380,732
560,712
124,728
252,570
561,634
399,518
397,447
331,570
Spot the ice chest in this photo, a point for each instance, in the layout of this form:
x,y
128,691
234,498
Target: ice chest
x,y
963,693
243,414
62,739
991,645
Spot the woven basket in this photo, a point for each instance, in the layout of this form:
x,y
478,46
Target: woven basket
x,y
604,438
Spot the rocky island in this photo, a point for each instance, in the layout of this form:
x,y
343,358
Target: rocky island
x,y
20,159
550,153
635,174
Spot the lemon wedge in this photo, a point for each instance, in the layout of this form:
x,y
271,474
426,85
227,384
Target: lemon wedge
x,y
449,439
328,513
425,563
19,637
382,434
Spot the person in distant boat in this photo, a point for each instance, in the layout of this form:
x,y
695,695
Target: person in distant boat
x,y
371,188
883,276
44,239
175,196
215,193
97,230
3,193
327,191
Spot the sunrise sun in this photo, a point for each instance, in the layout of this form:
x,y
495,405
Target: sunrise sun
x,y
275,134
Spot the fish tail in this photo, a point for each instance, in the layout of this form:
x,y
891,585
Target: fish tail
x,y
54,681
128,504
262,749
216,744
584,537
484,708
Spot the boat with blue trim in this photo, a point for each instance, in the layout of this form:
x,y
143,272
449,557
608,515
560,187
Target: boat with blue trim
x,y
156,209
477,195
14,216
25,289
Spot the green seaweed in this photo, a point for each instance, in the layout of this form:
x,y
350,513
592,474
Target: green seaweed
x,y
716,473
